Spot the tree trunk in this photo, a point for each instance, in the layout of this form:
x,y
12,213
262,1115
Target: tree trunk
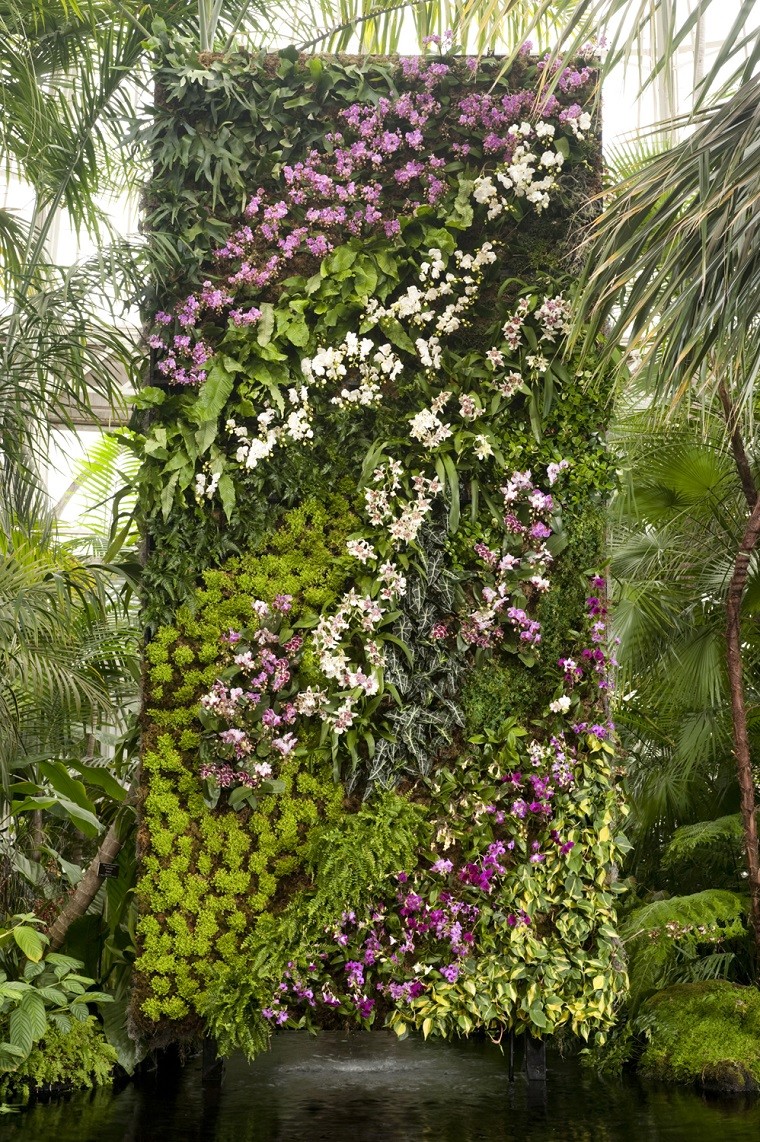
x,y
739,713
741,460
84,893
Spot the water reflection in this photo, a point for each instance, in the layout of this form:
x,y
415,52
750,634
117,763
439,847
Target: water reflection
x,y
369,1087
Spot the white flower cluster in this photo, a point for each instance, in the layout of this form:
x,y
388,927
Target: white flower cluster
x,y
273,429
206,485
310,701
483,448
579,124
361,550
527,175
554,316
469,409
356,614
356,359
416,306
402,518
427,427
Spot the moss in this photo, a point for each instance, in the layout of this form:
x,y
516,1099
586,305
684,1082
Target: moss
x,y
706,1033
210,871
63,1061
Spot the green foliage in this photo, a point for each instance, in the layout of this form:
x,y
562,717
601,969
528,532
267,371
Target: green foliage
x,y
707,1033
682,938
708,851
349,864
563,969
427,682
48,994
243,856
494,687
61,1061
353,860
677,524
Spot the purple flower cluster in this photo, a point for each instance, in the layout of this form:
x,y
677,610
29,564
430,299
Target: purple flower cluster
x,y
571,79
522,565
257,712
376,169
480,873
491,116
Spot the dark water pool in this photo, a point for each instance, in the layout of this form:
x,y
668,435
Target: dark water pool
x,y
369,1087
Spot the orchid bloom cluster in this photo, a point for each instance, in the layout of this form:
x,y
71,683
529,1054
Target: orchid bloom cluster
x,y
518,814
372,958
348,641
256,709
530,173
594,661
347,189
422,938
422,935
551,319
361,366
354,358
522,566
389,506
273,429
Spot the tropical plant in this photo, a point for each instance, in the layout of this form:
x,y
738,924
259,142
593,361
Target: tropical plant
x,y
676,525
673,264
38,993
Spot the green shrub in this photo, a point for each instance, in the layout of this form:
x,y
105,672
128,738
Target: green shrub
x,y
62,1061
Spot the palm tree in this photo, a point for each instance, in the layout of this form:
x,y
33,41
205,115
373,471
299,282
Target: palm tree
x,y
676,522
69,669
674,265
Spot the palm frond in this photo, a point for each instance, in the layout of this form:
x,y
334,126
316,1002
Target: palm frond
x,y
674,260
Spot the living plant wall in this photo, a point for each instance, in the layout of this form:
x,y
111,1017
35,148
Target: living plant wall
x,y
377,782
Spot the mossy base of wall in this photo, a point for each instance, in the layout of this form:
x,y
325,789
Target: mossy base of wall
x,y
706,1033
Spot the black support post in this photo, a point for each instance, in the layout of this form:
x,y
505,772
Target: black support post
x,y
535,1059
212,1067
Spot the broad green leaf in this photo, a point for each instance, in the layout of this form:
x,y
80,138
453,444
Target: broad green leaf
x,y
212,395
226,490
31,943
167,494
265,324
102,777
53,995
396,334
297,332
452,479
62,782
24,1021
341,259
206,435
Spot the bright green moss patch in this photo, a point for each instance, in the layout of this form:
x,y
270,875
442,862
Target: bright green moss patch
x,y
208,873
706,1033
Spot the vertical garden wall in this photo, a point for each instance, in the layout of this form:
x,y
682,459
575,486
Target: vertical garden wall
x,y
377,780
